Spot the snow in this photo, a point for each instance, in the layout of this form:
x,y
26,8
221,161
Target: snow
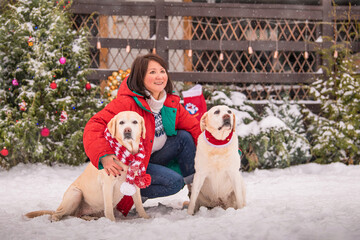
x,y
308,201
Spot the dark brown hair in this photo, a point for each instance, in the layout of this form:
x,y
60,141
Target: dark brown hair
x,y
138,71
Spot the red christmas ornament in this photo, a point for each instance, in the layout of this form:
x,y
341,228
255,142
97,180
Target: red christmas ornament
x,y
88,86
45,132
53,85
4,152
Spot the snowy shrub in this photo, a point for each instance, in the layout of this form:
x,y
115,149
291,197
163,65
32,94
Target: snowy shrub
x,y
336,130
274,139
37,90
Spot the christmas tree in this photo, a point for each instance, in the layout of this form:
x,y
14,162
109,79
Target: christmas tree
x,y
336,130
45,100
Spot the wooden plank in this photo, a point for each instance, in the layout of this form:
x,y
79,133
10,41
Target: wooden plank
x,y
274,11
238,45
224,77
121,43
227,77
111,7
343,12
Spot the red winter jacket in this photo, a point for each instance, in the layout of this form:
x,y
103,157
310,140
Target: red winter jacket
x,y
174,116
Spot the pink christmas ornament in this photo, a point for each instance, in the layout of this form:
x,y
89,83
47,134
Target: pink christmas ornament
x,y
62,60
45,132
15,82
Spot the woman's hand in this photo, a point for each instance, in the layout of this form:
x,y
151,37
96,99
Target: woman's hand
x,y
110,166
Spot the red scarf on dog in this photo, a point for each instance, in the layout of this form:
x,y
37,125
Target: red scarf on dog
x,y
210,139
215,142
136,173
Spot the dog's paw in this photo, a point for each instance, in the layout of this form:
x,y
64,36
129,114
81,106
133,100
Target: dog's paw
x,y
145,216
190,211
89,218
55,218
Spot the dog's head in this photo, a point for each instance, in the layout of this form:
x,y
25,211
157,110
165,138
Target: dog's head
x,y
219,121
127,128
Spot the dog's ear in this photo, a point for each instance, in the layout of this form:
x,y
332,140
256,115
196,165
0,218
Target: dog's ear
x,y
203,121
112,126
234,122
143,129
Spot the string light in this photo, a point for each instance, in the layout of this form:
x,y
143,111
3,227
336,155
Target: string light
x,y
156,33
128,49
221,56
276,53
98,44
190,53
336,54
306,54
190,50
250,49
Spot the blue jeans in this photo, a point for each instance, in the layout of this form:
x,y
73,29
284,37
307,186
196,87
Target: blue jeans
x,y
165,181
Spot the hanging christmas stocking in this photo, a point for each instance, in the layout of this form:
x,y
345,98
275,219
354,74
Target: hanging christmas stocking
x,y
194,101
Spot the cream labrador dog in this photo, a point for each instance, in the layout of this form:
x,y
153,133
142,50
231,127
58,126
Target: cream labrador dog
x,y
217,180
94,193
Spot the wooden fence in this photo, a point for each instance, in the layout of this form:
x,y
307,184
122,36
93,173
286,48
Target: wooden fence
x,y
267,50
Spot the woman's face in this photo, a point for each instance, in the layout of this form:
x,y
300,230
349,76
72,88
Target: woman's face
x,y
155,79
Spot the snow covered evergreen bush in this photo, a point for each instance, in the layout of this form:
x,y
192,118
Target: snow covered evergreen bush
x,y
37,92
336,130
273,139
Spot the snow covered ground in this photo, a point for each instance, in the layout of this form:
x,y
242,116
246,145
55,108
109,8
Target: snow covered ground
x,y
303,202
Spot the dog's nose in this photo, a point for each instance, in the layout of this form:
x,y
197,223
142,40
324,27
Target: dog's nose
x,y
226,119
226,116
127,133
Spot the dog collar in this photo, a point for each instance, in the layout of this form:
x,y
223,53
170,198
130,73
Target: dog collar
x,y
210,139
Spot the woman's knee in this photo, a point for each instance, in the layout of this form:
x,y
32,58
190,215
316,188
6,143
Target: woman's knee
x,y
186,137
176,184
184,134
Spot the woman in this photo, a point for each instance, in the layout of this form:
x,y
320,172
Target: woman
x,y
171,132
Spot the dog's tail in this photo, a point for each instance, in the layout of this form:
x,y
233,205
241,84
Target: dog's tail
x,y
39,213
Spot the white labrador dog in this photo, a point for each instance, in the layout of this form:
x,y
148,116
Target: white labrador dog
x,y
217,180
94,194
